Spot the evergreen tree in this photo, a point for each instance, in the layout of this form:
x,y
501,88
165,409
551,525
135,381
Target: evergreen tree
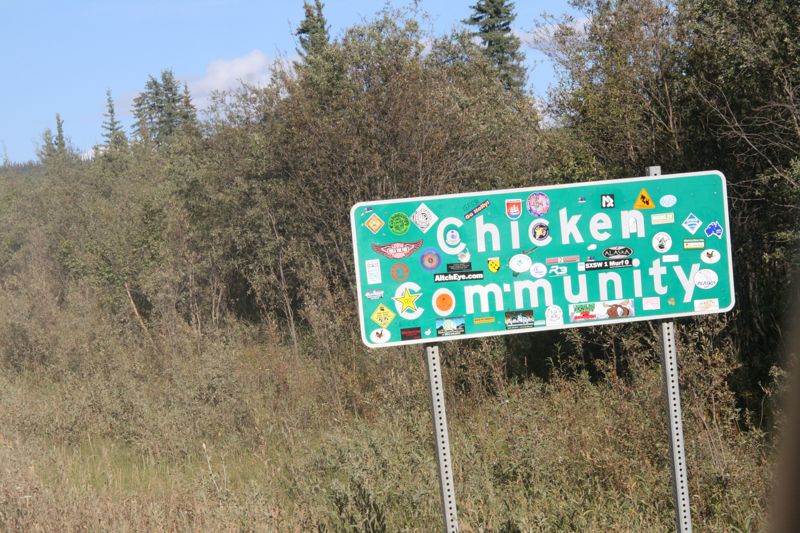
x,y
313,30
161,110
493,20
60,142
112,128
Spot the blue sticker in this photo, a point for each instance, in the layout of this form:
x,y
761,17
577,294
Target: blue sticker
x,y
430,259
714,230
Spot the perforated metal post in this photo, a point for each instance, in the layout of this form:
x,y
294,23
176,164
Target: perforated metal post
x,y
446,484
672,392
672,395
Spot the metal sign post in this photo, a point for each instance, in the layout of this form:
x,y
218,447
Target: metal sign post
x,y
446,484
672,394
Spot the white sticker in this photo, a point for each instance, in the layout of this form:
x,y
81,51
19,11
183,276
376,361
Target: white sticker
x,y
670,258
464,256
710,256
374,294
705,279
538,270
662,218
520,263
452,237
373,271
662,242
692,223
424,218
554,316
591,247
380,335
711,304
668,200
652,303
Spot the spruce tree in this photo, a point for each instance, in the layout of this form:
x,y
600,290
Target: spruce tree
x,y
313,30
161,110
60,142
493,19
112,128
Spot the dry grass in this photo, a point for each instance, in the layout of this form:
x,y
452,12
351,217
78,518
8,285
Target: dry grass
x,y
245,436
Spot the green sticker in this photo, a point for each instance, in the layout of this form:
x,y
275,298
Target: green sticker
x,y
399,224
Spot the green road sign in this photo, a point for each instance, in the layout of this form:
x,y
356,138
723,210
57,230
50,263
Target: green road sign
x,y
515,261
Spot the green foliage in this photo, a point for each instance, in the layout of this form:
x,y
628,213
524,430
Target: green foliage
x,y
162,111
313,30
493,19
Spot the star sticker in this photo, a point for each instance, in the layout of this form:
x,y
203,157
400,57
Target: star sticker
x,y
408,300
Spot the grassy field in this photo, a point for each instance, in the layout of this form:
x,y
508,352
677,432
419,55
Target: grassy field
x,y
236,435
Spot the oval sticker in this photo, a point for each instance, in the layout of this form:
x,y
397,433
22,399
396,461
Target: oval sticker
x,y
705,279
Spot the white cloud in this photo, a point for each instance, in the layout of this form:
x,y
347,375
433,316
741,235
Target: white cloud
x,y
225,74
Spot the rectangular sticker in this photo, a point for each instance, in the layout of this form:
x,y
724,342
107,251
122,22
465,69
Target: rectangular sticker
x,y
373,271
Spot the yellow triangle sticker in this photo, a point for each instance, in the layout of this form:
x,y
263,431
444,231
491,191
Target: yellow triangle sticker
x,y
643,201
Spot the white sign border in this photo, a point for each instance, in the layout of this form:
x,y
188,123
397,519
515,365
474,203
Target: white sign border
x,y
566,325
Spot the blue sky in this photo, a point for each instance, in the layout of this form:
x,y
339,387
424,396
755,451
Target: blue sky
x,y
60,57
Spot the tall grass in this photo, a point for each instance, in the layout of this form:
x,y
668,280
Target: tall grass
x,y
235,432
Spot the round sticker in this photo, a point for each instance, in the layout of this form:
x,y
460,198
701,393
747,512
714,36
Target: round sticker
x,y
710,256
464,256
430,259
668,200
380,335
520,263
538,270
538,204
554,315
399,223
444,301
662,242
705,279
540,232
399,272
452,237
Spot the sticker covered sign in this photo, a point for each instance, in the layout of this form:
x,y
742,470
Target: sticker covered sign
x,y
524,260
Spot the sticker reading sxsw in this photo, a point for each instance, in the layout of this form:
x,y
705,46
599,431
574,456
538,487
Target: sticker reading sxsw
x,y
515,261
